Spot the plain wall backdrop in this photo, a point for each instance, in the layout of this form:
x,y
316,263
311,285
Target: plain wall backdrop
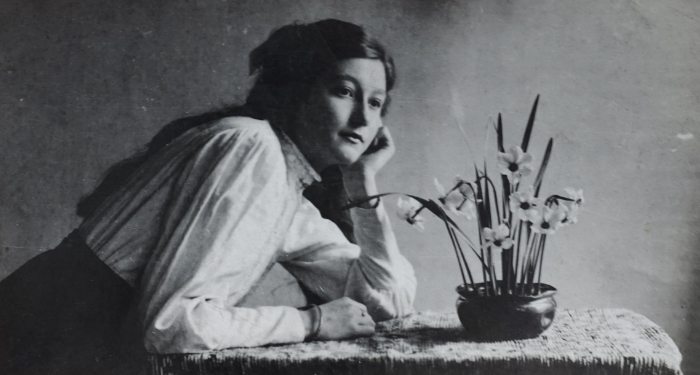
x,y
84,84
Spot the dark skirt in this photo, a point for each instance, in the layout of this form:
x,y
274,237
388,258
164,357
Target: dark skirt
x,y
61,313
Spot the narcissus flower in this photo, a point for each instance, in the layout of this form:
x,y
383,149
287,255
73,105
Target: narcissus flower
x,y
467,209
408,210
497,238
548,220
456,201
571,214
452,199
515,163
524,204
573,207
466,188
576,195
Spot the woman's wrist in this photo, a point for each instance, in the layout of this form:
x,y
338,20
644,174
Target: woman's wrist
x,y
307,318
311,316
359,186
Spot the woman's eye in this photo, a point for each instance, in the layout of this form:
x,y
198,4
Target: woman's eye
x,y
375,103
345,92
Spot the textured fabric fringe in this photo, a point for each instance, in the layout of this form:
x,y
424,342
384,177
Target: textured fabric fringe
x,y
599,341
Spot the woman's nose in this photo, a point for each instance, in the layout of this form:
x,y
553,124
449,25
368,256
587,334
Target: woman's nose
x,y
359,116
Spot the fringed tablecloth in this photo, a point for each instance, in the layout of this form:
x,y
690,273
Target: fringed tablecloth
x,y
601,341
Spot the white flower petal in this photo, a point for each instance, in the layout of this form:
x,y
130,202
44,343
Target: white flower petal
x,y
576,195
439,187
453,199
488,234
507,243
503,231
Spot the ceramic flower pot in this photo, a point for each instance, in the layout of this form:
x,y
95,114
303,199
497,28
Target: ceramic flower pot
x,y
505,317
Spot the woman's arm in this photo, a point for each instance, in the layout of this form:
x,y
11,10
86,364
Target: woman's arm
x,y
375,236
222,226
373,272
320,256
382,278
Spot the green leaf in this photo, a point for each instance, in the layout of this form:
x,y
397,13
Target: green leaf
x,y
530,124
480,206
505,184
543,166
435,208
499,133
487,199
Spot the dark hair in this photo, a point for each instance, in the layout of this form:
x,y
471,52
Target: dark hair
x,y
286,64
295,56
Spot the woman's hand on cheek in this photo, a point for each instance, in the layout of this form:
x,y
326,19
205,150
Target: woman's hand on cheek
x,y
344,318
359,177
376,156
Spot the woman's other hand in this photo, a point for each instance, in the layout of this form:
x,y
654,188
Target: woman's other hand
x,y
344,318
359,177
376,156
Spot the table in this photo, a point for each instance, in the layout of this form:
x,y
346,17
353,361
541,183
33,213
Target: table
x,y
593,341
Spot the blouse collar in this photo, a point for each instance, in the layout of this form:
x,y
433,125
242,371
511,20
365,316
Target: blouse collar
x,y
296,162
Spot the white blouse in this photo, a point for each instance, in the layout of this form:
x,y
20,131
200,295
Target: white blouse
x,y
196,227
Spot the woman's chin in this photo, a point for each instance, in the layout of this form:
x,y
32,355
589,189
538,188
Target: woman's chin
x,y
352,159
348,155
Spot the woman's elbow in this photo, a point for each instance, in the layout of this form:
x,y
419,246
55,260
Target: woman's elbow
x,y
191,329
174,340
392,304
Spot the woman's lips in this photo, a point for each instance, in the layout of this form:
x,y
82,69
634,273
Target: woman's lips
x,y
352,137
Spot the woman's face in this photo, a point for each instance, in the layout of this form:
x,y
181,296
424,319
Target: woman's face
x,y
342,114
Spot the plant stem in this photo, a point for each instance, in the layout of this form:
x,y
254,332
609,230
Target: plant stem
x,y
493,280
470,243
533,263
539,277
464,259
536,260
483,271
506,256
417,212
454,246
495,198
517,256
481,240
527,260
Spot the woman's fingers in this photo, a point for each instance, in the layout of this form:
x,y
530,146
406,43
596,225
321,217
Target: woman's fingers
x,y
365,329
345,318
385,144
384,136
378,155
367,322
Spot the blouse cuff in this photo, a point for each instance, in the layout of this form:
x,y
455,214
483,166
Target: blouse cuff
x,y
297,331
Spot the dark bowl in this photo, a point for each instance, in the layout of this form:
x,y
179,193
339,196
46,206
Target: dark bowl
x,y
505,317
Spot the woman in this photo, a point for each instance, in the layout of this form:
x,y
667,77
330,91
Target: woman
x,y
174,238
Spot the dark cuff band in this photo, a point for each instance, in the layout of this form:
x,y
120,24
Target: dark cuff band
x,y
317,316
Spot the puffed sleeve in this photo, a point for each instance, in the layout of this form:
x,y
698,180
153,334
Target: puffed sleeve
x,y
373,272
221,231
